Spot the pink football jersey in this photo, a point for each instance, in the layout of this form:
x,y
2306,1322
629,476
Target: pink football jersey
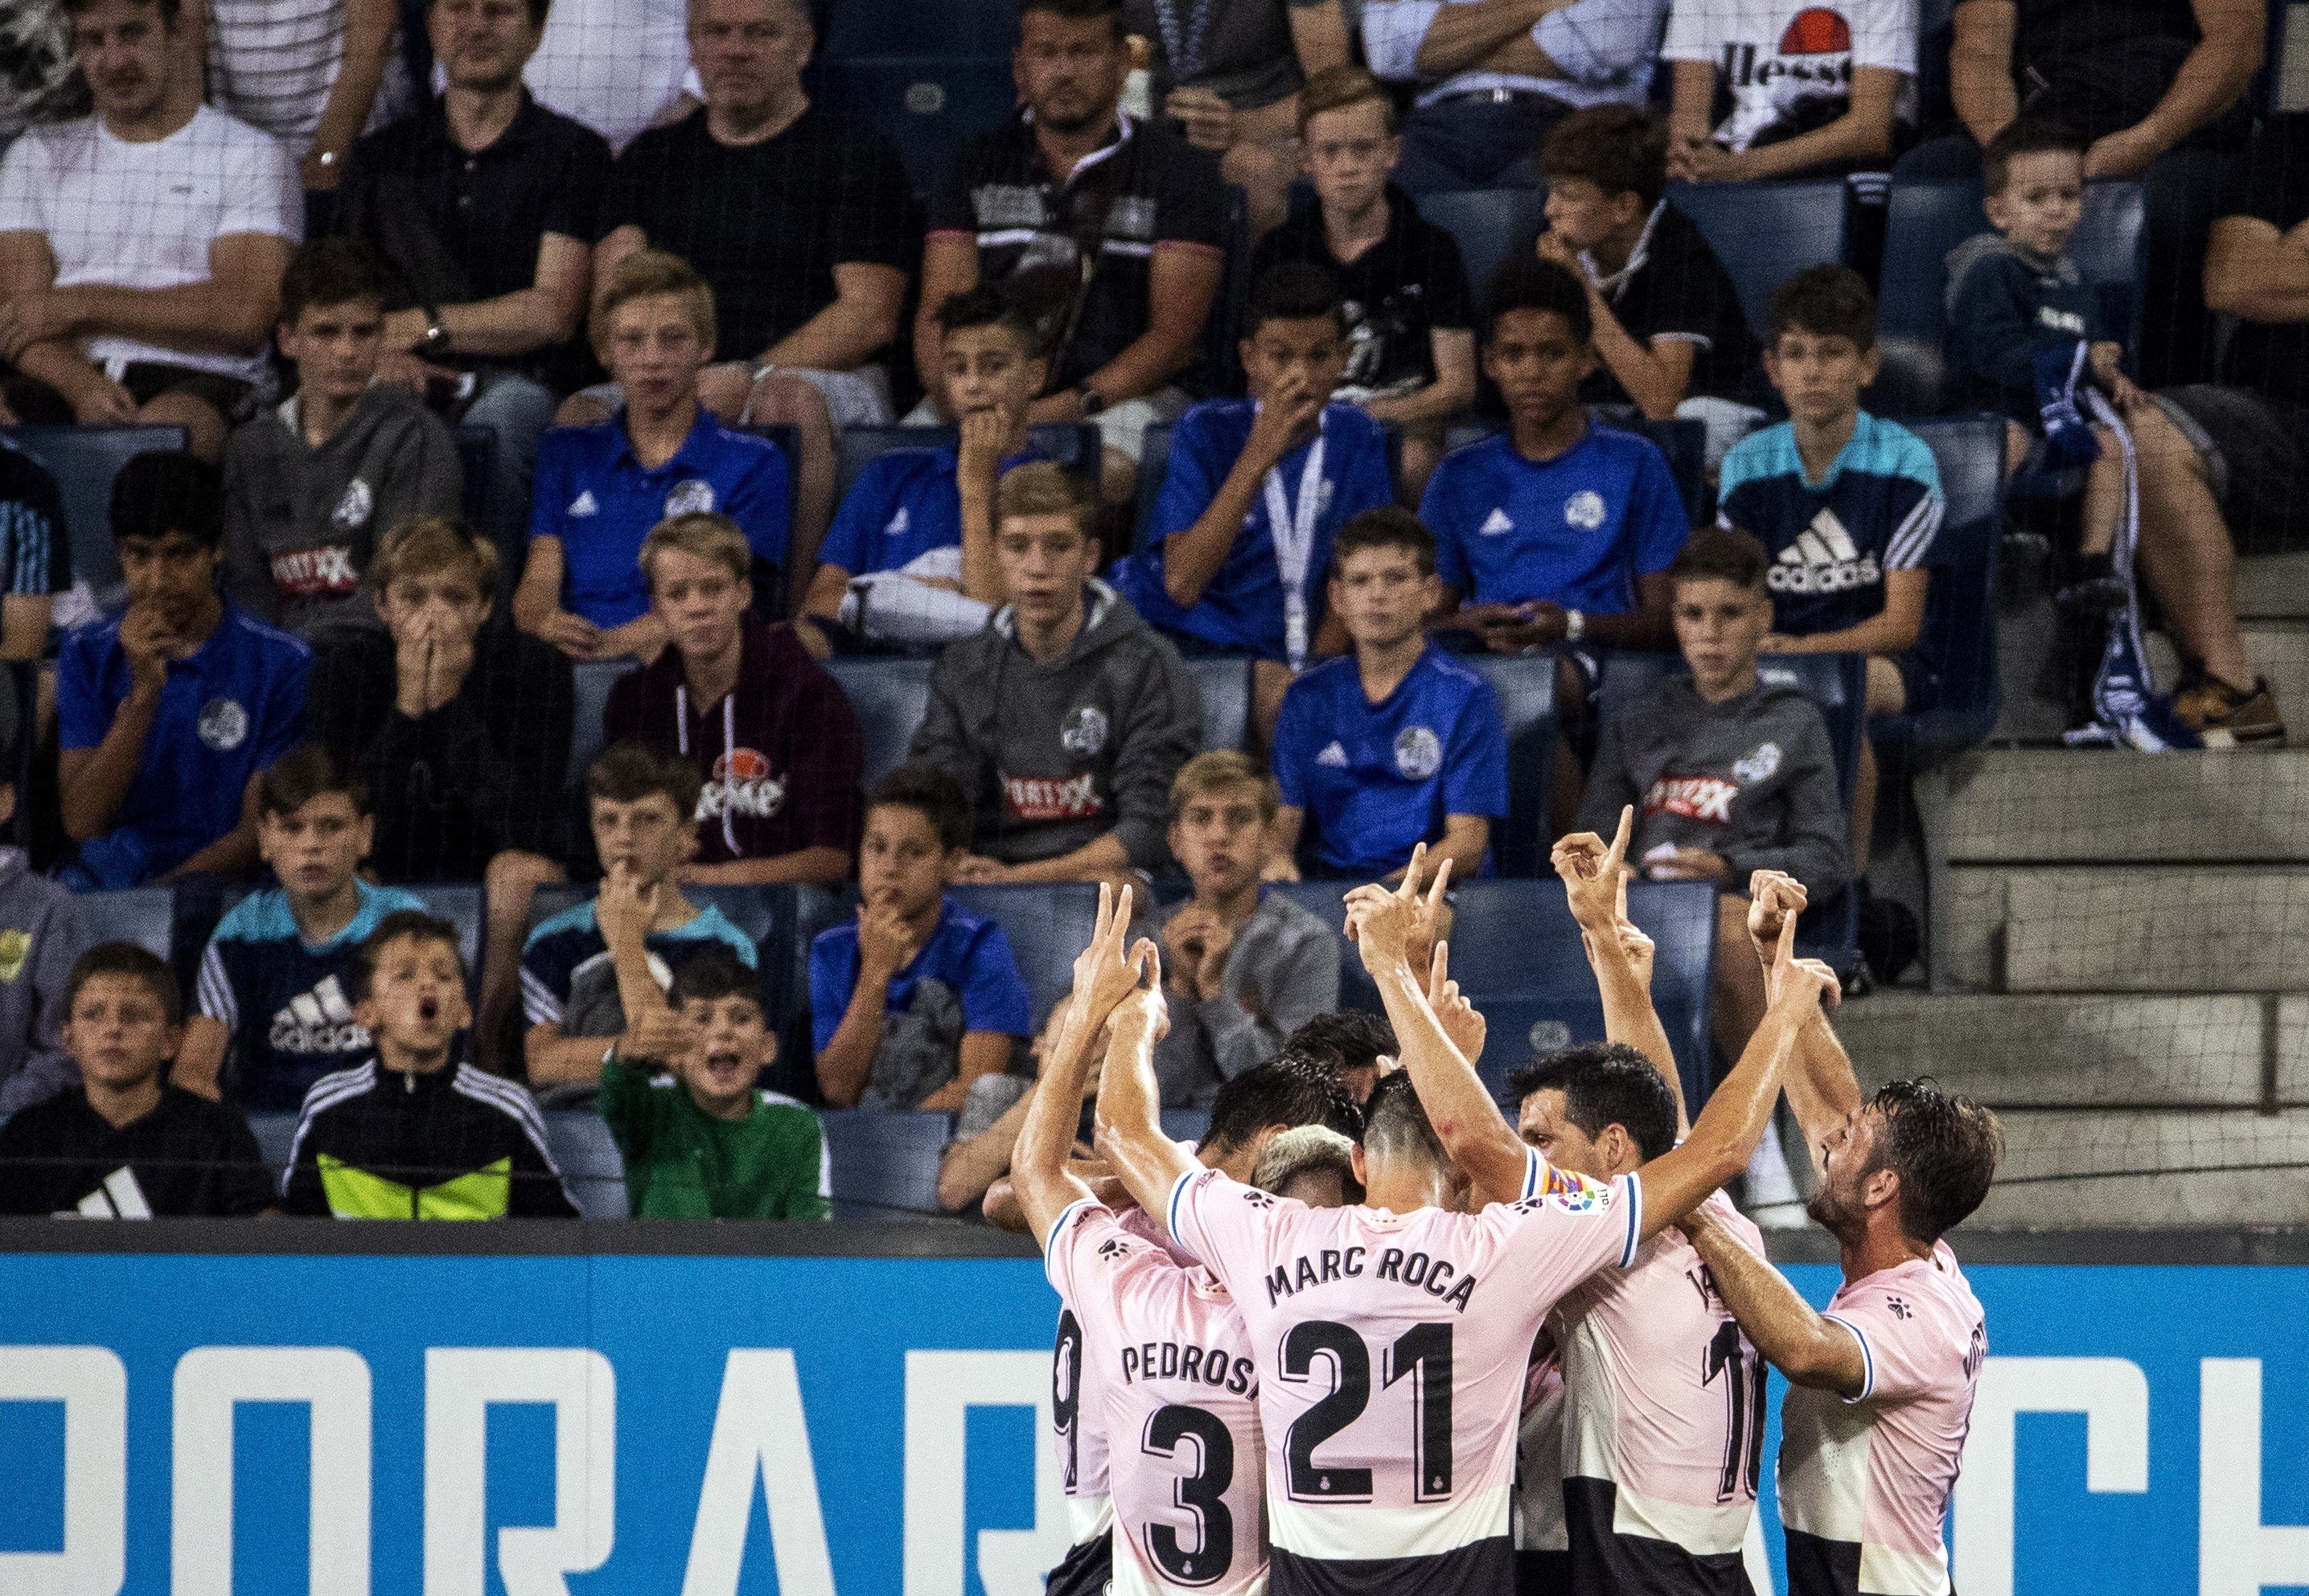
x,y
1875,1472
1392,1351
1078,1396
1181,1415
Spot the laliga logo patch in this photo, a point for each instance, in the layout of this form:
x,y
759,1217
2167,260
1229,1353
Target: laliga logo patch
x,y
1084,732
353,510
693,498
1418,753
1549,1036
1584,510
1757,767
223,724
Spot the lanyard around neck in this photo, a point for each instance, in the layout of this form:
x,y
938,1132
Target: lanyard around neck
x,y
1292,528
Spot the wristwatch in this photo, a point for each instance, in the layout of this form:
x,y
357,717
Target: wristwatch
x,y
1575,626
1093,400
437,336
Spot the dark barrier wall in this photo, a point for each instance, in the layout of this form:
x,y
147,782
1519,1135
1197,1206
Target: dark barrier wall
x,y
207,1408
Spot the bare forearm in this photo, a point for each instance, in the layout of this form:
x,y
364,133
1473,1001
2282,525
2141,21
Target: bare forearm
x,y
511,323
564,1060
1856,135
2256,273
232,854
360,74
1651,383
1630,1017
841,337
90,796
1792,1337
59,365
1727,1130
1458,1105
1980,67
2211,78
208,314
1463,35
970,1168
814,866
1144,365
1191,559
1046,1132
847,1061
200,1061
1102,856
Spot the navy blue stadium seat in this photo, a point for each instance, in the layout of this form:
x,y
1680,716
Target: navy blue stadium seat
x,y
84,459
275,1133
1075,447
143,915
924,103
1489,224
505,525
884,1162
1959,634
1047,925
593,679
1153,464
1526,694
461,906
589,1161
770,592
1765,233
1684,443
856,28
1225,685
1925,221
1186,1124
888,696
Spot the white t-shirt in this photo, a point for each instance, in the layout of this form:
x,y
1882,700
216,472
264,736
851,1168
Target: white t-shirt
x,y
273,63
613,64
1774,55
143,216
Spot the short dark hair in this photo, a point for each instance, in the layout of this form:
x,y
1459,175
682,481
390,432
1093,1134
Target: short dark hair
x,y
167,8
1721,554
307,772
1343,1040
1827,302
712,976
1388,527
1530,283
987,306
537,9
1620,149
157,494
1943,1147
2025,135
931,793
410,923
1604,1083
1080,11
1286,1091
1295,291
629,772
137,963
327,272
1396,1123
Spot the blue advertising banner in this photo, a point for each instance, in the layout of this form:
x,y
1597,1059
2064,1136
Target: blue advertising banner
x,y
462,1426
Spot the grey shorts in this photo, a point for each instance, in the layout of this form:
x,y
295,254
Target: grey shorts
x,y
2256,453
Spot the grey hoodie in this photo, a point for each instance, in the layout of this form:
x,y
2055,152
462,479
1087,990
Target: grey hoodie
x,y
301,523
39,938
1752,779
1054,756
1281,972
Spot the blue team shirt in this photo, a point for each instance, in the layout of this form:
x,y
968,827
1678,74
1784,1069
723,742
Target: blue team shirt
x,y
592,493
1376,779
1243,608
1879,509
287,1001
968,956
230,711
904,505
567,978
1574,531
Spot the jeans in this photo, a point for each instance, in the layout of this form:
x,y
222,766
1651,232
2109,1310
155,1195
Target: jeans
x,y
520,410
1458,144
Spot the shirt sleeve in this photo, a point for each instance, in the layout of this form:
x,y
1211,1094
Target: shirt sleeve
x,y
1190,199
283,722
264,193
1657,516
872,215
573,209
1081,1227
1600,43
1611,785
1437,511
82,714
1475,765
625,1108
1571,1227
1293,745
1884,34
1222,1223
1393,31
803,1177
622,188
993,993
1367,484
1814,841
951,210
244,1186
1190,480
832,978
865,507
25,182
543,987
759,503
213,992
1914,543
1689,37
34,524
1884,1318
1161,729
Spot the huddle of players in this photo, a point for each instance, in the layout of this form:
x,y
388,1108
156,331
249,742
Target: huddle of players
x,y
1460,1356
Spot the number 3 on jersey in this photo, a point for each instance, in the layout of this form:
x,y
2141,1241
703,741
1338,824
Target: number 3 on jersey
x,y
1203,1493
1425,1350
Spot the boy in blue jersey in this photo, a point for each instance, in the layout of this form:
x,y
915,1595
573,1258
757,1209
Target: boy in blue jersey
x,y
919,522
1395,745
642,806
1557,531
167,714
1848,505
1256,487
274,995
599,488
917,999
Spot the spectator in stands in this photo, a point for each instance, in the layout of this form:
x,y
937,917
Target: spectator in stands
x,y
1848,506
919,522
1394,746
1230,76
1411,332
1122,329
311,486
1065,719
39,938
275,995
483,202
442,1142
35,552
1727,775
601,487
1558,531
712,1144
918,1000
1669,328
2160,89
2024,333
1244,969
119,1141
770,733
141,247
167,714
1494,76
1355,1044
1779,89
642,806
315,77
1256,490
616,66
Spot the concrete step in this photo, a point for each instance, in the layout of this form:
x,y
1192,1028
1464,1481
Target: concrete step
x,y
2138,929
2172,1167
2084,1051
2273,584
2052,806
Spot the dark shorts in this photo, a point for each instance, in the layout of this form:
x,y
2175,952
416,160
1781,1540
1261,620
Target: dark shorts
x,y
35,402
1604,1562
1085,1570
2256,452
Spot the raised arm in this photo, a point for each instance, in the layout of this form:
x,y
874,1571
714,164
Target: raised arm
x,y
1104,978
1794,1338
1129,1104
1821,1085
1595,882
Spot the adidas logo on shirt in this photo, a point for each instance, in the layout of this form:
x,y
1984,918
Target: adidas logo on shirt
x,y
317,1022
583,504
1334,756
119,1197
1497,524
1823,560
899,523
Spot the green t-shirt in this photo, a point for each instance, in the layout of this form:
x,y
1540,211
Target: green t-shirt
x,y
683,1163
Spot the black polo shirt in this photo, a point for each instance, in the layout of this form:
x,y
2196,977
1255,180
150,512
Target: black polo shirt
x,y
1148,189
766,224
187,1157
1396,293
1673,286
489,208
2101,65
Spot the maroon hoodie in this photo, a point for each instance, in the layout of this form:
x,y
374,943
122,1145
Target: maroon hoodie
x,y
781,755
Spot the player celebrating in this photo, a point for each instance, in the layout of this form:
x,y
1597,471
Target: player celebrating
x,y
1881,1384
1392,1337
